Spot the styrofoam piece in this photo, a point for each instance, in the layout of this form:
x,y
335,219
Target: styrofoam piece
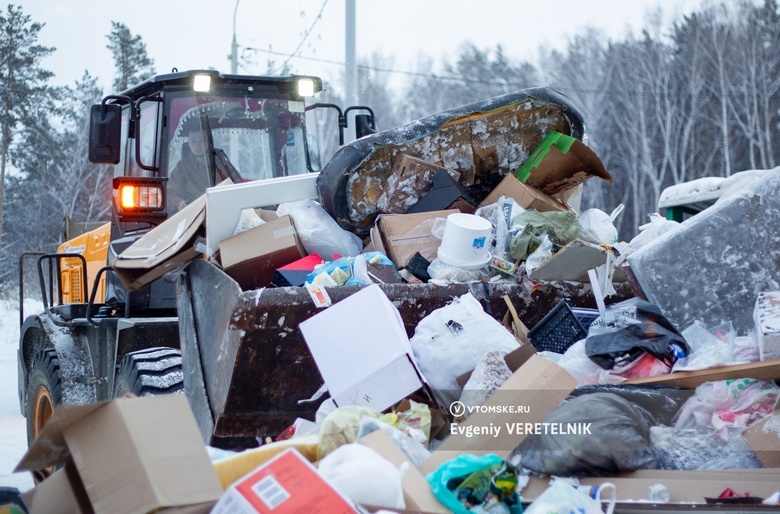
x,y
713,267
224,204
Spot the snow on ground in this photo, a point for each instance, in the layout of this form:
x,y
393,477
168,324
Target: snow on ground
x,y
13,431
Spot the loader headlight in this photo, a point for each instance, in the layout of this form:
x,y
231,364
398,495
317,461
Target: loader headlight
x,y
140,197
305,87
201,83
133,197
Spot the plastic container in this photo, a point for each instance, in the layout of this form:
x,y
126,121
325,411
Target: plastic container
x,y
465,241
558,330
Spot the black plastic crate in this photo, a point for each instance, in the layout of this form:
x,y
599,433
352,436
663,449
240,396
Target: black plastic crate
x,y
586,317
558,330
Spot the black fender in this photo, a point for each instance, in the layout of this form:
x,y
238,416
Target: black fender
x,y
39,332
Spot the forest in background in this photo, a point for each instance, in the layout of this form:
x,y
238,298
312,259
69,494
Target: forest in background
x,y
700,97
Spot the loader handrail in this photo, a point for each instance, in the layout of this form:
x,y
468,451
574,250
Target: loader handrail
x,y
91,300
21,282
58,257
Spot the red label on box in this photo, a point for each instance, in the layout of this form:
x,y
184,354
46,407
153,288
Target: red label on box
x,y
288,484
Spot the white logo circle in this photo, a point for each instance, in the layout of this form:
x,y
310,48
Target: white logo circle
x,y
457,409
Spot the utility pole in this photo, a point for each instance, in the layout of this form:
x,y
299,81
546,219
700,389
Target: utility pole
x,y
234,45
351,63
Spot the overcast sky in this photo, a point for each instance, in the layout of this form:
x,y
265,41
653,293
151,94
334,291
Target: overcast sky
x,y
190,34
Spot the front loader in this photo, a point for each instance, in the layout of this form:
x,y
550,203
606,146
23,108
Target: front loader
x,y
238,355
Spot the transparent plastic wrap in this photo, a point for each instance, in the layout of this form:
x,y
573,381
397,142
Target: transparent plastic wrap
x,y
500,215
319,232
657,227
413,449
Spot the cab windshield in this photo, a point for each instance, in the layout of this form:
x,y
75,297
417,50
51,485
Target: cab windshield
x,y
256,138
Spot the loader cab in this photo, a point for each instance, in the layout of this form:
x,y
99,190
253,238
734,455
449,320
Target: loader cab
x,y
249,128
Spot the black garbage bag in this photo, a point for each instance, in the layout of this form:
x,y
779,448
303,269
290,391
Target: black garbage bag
x,y
593,435
662,402
630,328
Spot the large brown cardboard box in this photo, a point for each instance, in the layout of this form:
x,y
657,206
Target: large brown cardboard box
x,y
533,391
253,256
400,236
526,196
133,455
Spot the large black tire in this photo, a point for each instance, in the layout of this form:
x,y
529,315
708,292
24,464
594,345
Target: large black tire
x,y
44,391
150,372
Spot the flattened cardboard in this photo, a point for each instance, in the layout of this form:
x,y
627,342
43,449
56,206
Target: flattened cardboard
x,y
400,236
525,195
764,370
559,163
445,193
167,246
572,263
131,454
362,351
252,257
417,492
686,488
539,385
286,484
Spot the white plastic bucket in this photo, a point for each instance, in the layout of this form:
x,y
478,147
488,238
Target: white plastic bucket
x,y
465,241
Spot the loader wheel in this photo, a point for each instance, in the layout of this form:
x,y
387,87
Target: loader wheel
x,y
44,391
150,372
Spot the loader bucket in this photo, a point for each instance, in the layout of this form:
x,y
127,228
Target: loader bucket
x,y
247,366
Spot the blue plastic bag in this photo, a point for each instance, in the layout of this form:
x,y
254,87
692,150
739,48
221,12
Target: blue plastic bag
x,y
497,479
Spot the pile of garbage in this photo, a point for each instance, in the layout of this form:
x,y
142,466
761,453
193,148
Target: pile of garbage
x,y
653,395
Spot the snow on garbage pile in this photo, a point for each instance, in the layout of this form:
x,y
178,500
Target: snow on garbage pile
x,y
13,428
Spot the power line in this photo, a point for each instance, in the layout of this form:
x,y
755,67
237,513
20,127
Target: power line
x,y
305,37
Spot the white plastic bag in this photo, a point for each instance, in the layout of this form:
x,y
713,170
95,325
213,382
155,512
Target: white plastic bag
x,y
364,476
318,232
451,340
596,226
563,498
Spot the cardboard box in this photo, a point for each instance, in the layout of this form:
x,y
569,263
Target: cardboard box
x,y
129,455
764,370
417,492
286,484
513,359
176,241
294,274
525,195
411,178
764,439
536,388
252,257
400,236
561,162
362,351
